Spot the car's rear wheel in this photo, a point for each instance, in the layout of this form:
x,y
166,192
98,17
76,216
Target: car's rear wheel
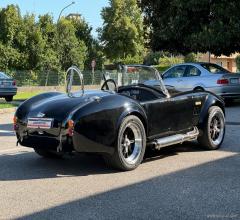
x,y
131,145
9,98
46,153
213,129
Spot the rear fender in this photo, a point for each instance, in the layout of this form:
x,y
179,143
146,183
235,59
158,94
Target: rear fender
x,y
136,110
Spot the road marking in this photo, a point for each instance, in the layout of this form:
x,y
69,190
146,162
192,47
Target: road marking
x,y
6,132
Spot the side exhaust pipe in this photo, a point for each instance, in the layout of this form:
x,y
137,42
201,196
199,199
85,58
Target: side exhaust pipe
x,y
176,139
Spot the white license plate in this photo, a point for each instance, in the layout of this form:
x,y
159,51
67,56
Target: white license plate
x,y
44,123
6,83
235,81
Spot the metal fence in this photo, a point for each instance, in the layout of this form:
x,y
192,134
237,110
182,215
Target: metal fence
x,y
50,78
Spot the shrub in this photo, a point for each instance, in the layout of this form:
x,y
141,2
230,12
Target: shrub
x,y
169,61
190,58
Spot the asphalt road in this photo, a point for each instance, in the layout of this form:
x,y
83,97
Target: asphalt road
x,y
180,182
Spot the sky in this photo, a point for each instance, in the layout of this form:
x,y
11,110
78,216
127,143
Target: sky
x,y
89,9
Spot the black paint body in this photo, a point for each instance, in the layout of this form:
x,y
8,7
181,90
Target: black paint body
x,y
97,116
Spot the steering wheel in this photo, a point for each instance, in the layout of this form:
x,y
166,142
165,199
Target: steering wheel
x,y
109,84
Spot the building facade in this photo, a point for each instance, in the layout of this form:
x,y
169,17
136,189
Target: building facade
x,y
226,62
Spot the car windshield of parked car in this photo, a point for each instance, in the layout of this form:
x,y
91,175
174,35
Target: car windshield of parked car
x,y
3,76
214,68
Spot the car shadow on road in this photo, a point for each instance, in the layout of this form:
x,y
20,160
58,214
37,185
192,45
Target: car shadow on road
x,y
206,191
173,150
28,165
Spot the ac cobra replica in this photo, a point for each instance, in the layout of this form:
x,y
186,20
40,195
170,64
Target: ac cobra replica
x,y
132,111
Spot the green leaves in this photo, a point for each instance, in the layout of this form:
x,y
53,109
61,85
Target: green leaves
x,y
27,44
122,32
186,26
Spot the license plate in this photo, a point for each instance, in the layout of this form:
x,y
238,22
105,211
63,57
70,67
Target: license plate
x,y
44,123
234,81
5,84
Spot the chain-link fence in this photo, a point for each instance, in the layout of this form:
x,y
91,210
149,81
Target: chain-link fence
x,y
51,78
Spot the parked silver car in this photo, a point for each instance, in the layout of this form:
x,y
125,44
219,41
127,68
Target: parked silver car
x,y
203,76
8,87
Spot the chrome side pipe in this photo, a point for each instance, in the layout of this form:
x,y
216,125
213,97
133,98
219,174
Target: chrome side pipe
x,y
176,139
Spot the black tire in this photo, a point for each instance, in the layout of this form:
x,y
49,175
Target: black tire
x,y
211,138
47,154
9,98
131,141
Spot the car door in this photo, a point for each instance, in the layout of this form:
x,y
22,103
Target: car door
x,y
174,77
168,116
191,77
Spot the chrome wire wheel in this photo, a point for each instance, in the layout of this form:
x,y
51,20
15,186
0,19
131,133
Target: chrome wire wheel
x,y
216,128
131,143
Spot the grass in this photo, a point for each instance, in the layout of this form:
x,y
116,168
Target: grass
x,y
7,105
25,95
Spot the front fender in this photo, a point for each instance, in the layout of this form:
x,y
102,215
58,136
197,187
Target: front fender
x,y
211,100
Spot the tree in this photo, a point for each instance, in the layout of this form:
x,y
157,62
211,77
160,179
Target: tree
x,y
94,50
71,51
9,58
186,26
122,31
9,22
82,30
49,57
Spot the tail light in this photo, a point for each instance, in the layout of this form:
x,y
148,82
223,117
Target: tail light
x,y
14,83
70,125
15,126
223,81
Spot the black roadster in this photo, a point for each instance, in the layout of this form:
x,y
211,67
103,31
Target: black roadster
x,y
132,111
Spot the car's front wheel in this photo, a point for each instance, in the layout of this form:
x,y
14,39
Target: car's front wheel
x,y
131,145
213,129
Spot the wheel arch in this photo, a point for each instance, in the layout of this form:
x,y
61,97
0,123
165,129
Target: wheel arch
x,y
199,85
211,100
135,112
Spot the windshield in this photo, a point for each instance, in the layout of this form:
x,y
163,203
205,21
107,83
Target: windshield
x,y
130,75
214,68
125,75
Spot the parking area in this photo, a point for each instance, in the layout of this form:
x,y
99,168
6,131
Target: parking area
x,y
180,182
